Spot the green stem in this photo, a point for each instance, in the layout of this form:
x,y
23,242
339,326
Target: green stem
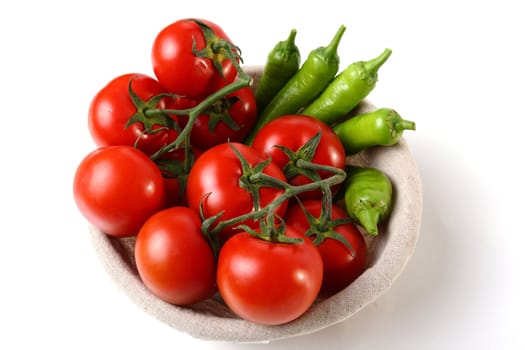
x,y
243,81
304,164
290,41
187,156
290,191
404,124
331,49
374,64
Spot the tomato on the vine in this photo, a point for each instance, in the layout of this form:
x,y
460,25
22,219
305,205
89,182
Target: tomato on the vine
x,y
117,188
266,282
190,58
112,107
217,182
173,258
293,132
229,119
341,265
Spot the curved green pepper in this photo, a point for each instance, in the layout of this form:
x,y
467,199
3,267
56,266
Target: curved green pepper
x,y
348,89
282,63
315,74
367,197
382,127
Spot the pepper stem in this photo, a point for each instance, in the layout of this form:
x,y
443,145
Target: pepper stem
x,y
290,41
331,50
404,124
374,64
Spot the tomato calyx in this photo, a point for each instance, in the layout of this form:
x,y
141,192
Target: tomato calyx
x,y
323,226
300,161
253,178
219,112
216,49
269,232
148,119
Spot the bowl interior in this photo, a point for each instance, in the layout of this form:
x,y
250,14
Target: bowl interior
x,y
388,255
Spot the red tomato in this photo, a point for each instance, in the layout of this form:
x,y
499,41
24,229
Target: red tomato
x,y
243,112
117,188
269,283
179,69
174,260
112,107
293,131
340,266
214,182
174,193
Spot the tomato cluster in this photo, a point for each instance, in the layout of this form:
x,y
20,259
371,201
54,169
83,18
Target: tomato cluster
x,y
255,223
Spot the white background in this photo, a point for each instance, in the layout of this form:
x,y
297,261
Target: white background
x,y
457,69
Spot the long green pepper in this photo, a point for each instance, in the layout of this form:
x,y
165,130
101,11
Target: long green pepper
x,y
315,74
348,89
282,63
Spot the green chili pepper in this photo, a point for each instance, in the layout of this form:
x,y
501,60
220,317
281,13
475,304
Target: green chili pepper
x,y
382,127
282,63
368,196
312,78
348,89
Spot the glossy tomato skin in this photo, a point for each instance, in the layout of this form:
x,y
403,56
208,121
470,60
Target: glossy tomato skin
x,y
269,283
214,182
174,192
243,112
179,69
293,131
112,107
117,188
340,267
173,258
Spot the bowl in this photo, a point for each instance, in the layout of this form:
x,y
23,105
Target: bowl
x,y
389,252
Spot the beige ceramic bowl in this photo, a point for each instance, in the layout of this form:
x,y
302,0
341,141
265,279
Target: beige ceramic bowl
x,y
388,253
